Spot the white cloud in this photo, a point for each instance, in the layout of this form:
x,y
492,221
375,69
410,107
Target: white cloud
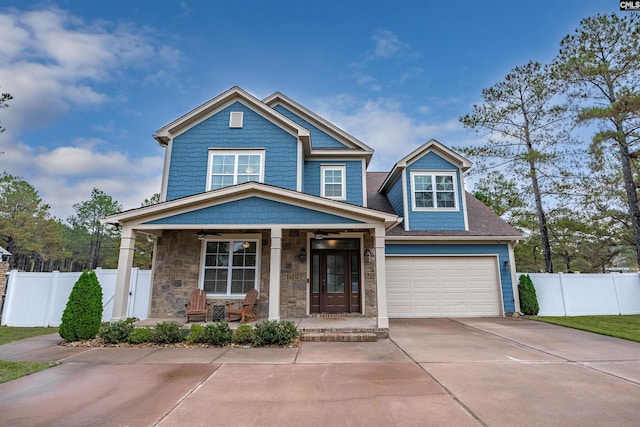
x,y
51,61
383,125
387,44
66,175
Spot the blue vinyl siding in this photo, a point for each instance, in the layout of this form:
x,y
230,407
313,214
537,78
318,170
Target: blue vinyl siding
x,y
395,197
254,210
435,220
190,150
312,179
319,139
502,250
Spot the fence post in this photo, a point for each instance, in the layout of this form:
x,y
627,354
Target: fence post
x,y
133,288
615,290
563,293
8,292
53,290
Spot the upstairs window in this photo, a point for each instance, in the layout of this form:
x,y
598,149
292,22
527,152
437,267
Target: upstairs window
x,y
333,182
229,168
434,191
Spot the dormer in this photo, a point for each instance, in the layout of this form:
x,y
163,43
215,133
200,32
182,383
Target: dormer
x,y
426,188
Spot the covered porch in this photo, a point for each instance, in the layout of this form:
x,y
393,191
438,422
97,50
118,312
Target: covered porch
x,y
307,256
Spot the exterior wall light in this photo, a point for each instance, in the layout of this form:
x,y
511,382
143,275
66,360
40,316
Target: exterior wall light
x,y
368,255
246,245
506,265
303,254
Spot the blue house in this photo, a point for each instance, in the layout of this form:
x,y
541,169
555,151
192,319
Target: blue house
x,y
266,194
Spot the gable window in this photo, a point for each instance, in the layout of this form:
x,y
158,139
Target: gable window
x,y
333,181
434,191
229,168
230,267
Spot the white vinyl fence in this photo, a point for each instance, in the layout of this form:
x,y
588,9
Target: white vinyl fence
x,y
38,299
587,294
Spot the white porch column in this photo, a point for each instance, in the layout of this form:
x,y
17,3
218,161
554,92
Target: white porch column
x,y
125,262
274,273
381,277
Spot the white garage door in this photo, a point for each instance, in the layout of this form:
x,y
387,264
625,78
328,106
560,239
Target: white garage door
x,y
442,286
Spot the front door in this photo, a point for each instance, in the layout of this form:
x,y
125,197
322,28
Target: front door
x,y
335,281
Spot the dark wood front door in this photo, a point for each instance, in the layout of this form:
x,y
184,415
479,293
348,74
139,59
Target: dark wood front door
x,y
335,281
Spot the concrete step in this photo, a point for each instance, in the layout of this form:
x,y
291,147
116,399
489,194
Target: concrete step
x,y
332,336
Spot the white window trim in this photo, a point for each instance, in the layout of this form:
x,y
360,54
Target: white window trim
x,y
219,152
432,174
343,169
257,238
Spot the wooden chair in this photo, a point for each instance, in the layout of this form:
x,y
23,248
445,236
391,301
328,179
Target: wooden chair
x,y
247,307
198,305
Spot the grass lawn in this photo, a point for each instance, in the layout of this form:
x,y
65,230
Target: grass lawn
x,y
12,370
626,327
11,333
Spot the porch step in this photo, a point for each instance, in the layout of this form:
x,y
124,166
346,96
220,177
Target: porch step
x,y
338,336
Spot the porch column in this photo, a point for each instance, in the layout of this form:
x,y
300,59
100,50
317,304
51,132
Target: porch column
x,y
381,277
274,273
125,262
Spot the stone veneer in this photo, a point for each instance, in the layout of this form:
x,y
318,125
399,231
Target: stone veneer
x,y
177,270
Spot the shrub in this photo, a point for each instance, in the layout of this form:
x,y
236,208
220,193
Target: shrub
x,y
272,332
528,298
140,335
245,334
169,332
218,333
195,333
83,313
116,332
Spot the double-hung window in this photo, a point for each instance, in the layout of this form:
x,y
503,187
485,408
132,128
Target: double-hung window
x,y
234,167
333,182
434,191
230,267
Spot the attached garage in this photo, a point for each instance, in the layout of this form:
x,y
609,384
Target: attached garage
x,y
443,286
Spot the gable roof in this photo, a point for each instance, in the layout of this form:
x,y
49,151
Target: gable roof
x,y
348,140
429,146
198,114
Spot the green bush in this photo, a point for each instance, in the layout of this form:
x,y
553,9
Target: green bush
x,y
218,333
528,298
245,334
169,332
195,333
83,313
140,335
272,332
116,332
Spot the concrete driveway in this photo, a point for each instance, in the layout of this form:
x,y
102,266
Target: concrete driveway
x,y
463,372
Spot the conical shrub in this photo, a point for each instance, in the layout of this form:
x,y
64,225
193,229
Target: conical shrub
x,y
528,297
82,316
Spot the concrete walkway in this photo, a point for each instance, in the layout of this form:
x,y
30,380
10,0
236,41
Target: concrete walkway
x,y
463,372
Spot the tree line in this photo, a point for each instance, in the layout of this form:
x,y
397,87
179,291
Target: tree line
x,y
40,242
560,160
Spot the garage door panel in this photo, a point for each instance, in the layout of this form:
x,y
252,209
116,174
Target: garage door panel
x,y
442,286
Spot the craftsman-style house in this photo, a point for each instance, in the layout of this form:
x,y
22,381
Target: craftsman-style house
x,y
266,194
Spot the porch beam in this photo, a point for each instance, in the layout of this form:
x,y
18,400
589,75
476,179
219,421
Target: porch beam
x,y
381,276
123,278
274,273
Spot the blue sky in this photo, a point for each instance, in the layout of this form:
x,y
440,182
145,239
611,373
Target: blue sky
x,y
92,80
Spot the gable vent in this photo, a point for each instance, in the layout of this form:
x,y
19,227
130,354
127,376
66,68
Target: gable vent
x,y
235,120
